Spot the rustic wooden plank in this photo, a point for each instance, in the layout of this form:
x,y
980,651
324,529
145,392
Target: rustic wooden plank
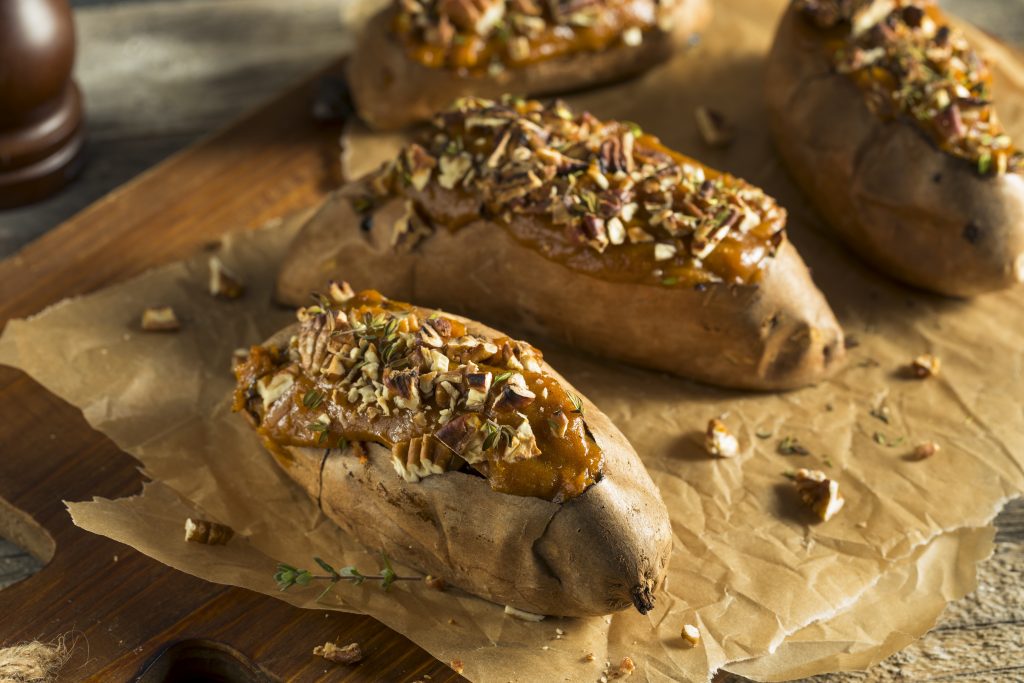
x,y
192,65
121,606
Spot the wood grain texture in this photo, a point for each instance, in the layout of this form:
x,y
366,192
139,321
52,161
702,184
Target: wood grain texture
x,y
158,75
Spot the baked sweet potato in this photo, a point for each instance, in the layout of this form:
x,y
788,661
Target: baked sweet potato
x,y
417,56
586,231
458,451
883,113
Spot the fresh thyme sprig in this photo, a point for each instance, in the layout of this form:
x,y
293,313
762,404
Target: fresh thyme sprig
x,y
496,434
287,576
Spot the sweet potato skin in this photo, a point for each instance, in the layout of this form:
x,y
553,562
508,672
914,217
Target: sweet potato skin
x,y
588,556
776,334
915,212
392,91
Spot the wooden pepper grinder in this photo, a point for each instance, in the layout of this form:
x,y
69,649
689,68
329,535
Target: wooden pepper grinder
x,y
41,121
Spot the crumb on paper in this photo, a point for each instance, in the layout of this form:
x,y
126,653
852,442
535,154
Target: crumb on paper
x,y
349,654
625,669
206,532
457,666
715,130
691,634
719,441
588,657
160,319
926,365
925,450
819,492
523,615
435,582
452,622
223,283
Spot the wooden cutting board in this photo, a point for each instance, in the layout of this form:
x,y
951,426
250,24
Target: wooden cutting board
x,y
124,613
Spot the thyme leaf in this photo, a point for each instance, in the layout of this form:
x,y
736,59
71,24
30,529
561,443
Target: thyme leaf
x,y
577,404
312,399
789,445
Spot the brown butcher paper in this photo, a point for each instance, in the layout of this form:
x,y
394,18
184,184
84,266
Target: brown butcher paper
x,y
773,593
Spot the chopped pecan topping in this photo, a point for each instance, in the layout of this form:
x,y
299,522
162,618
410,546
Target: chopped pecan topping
x,y
515,395
910,62
440,397
340,292
597,185
484,35
691,634
423,456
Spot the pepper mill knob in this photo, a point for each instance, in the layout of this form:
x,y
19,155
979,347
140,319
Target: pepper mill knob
x,y
41,120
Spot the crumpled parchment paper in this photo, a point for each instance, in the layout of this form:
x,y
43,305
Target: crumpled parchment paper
x,y
774,594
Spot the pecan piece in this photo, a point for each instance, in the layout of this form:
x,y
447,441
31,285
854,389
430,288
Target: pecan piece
x,y
719,441
207,533
714,128
819,492
160,319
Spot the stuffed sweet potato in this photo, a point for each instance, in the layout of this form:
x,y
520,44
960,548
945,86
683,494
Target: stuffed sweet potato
x,y
586,231
458,451
417,56
884,115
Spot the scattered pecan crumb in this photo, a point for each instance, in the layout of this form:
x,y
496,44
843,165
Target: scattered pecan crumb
x,y
714,128
452,622
589,657
160,319
691,634
223,283
457,666
435,582
819,492
350,654
626,667
719,441
926,365
926,450
207,533
522,614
